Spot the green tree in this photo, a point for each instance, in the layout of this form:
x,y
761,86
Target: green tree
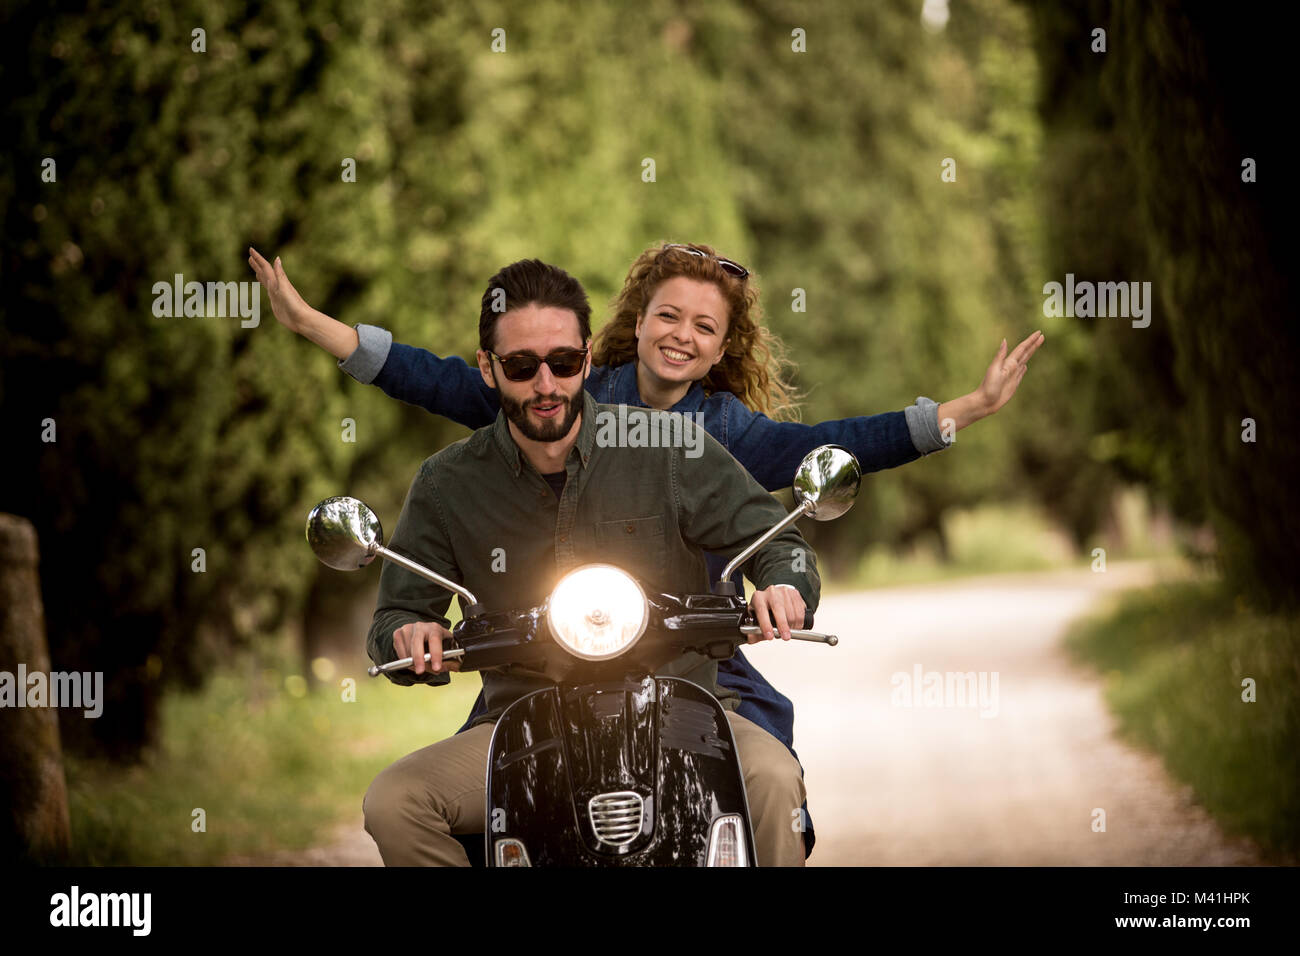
x,y
1146,150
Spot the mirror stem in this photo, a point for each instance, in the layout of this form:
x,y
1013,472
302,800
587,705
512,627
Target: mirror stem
x,y
472,607
724,586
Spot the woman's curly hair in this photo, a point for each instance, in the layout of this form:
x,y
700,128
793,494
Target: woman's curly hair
x,y
754,366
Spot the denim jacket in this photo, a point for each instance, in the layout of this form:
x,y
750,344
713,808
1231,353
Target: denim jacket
x,y
769,450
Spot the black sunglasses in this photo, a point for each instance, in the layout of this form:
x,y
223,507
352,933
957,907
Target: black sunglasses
x,y
564,363
730,268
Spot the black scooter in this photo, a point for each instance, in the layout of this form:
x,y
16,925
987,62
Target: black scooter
x,y
611,766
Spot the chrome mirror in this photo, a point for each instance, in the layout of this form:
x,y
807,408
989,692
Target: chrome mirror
x,y
344,533
827,482
824,487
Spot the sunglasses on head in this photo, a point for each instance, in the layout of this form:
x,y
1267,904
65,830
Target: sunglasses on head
x,y
564,363
730,268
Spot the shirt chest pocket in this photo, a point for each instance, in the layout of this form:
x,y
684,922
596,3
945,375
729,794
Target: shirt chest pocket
x,y
636,545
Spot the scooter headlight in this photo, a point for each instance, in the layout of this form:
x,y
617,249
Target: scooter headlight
x,y
597,612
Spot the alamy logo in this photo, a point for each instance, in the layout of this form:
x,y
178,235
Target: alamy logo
x,y
196,300
75,908
650,428
1123,300
58,689
922,688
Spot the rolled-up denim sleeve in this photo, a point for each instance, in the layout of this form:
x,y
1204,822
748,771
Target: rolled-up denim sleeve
x,y
368,358
923,426
449,386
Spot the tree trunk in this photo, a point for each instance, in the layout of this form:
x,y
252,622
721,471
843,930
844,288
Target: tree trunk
x,y
34,822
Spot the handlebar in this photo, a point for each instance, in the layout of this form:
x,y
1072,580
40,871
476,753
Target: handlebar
x,y
514,630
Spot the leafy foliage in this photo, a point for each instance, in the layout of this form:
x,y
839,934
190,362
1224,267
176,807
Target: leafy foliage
x,y
818,169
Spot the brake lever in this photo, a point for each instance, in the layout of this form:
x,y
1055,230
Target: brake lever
x,y
405,662
805,633
797,634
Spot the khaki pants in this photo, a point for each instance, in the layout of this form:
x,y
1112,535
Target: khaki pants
x,y
414,806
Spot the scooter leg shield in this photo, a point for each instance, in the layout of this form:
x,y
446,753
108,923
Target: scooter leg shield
x,y
616,773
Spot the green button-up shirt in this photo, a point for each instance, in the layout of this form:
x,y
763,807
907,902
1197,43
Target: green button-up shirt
x,y
480,514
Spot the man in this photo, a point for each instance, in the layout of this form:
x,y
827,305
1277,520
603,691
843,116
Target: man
x,y
519,503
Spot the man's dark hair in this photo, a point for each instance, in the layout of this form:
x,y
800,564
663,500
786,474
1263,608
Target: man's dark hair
x,y
531,282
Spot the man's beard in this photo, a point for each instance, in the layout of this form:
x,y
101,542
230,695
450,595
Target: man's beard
x,y
552,430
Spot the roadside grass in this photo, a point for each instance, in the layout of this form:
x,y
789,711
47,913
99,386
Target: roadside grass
x,y
1174,659
1004,538
273,765
987,540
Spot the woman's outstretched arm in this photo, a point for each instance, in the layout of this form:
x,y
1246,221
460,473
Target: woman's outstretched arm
x,y
293,312
771,451
445,386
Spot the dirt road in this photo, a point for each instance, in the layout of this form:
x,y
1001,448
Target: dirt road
x,y
924,785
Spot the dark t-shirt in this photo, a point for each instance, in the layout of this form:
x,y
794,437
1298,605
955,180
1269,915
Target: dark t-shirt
x,y
556,481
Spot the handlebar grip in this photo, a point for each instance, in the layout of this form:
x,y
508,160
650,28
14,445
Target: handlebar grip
x,y
807,618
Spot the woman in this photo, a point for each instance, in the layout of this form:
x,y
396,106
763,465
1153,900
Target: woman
x,y
685,336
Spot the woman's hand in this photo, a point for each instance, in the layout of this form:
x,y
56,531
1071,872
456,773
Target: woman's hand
x,y
289,308
293,312
1000,383
1006,371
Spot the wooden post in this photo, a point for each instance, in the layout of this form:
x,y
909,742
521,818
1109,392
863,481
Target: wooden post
x,y
33,796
